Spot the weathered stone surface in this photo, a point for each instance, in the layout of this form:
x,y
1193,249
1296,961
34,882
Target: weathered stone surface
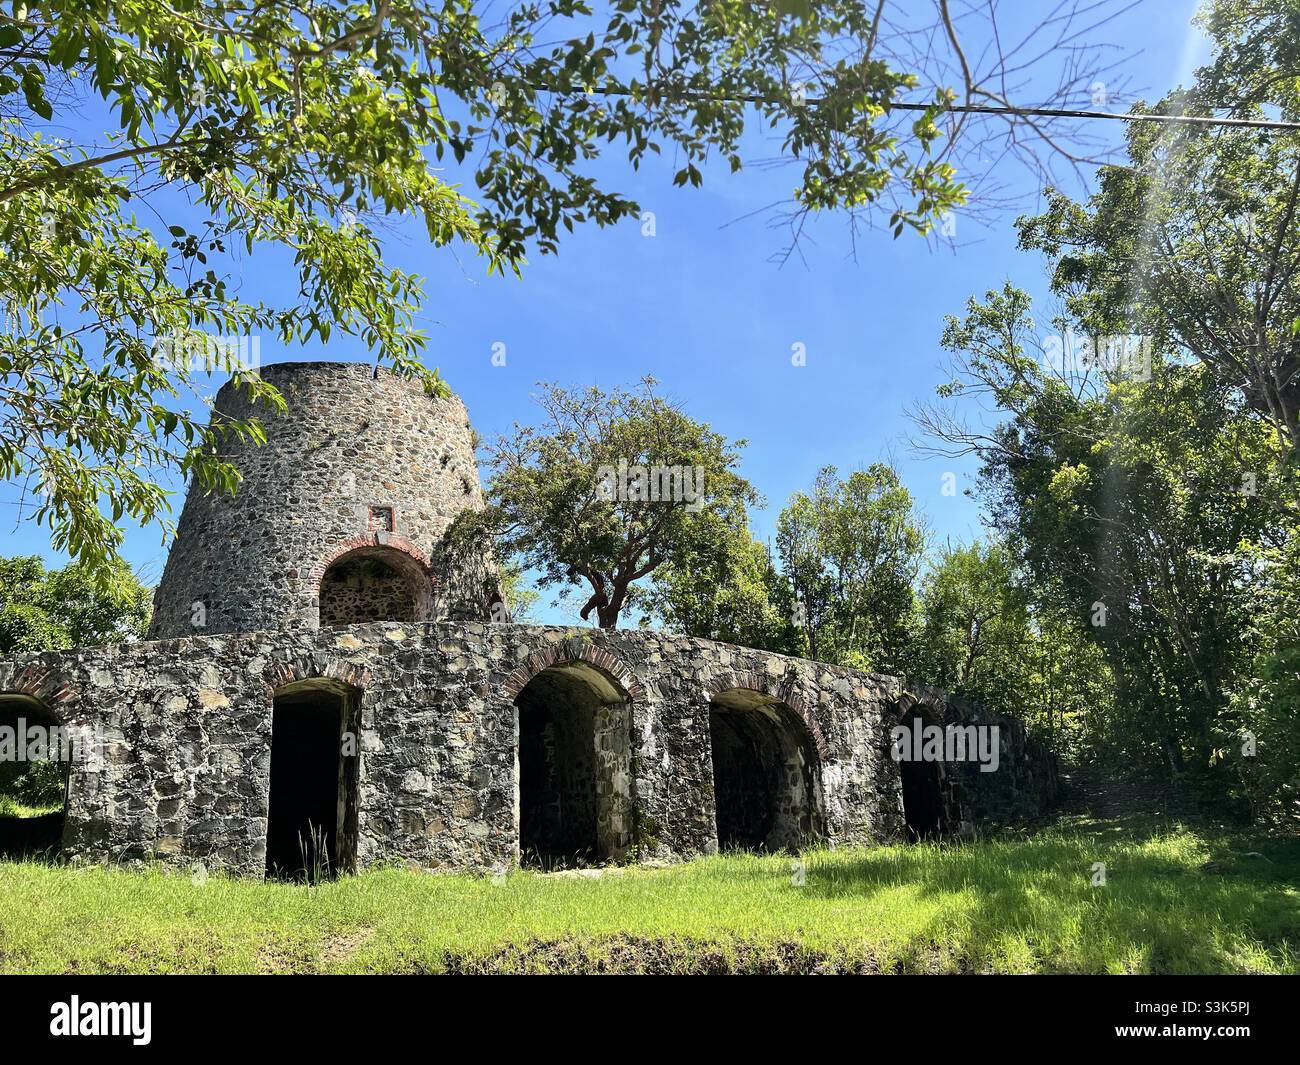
x,y
361,466
436,780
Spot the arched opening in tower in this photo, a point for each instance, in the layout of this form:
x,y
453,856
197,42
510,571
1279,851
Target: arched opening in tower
x,y
373,584
922,785
36,754
573,768
766,774
311,823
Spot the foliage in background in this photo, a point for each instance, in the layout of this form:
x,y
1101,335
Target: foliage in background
x,y
562,505
1185,489
1266,702
980,633
735,595
1194,244
31,788
48,610
974,617
968,624
519,596
851,551
1121,493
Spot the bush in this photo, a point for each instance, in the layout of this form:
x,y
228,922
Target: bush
x,y
42,784
38,784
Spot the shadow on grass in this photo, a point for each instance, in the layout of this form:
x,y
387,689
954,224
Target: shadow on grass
x,y
1109,899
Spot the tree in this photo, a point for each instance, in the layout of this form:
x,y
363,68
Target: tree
x,y
1152,504
1170,496
211,128
725,588
44,610
517,595
982,634
1194,243
972,612
1262,759
607,489
851,551
1256,57
1124,497
1194,249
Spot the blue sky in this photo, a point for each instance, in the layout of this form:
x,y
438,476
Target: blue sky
x,y
701,306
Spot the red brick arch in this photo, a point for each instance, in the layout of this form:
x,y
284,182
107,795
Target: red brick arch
x,y
573,651
782,691
930,703
47,686
377,540
379,544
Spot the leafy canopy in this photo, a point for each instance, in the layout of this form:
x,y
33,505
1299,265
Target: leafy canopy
x,y
1194,239
52,610
587,497
206,130
725,589
1124,498
852,550
984,632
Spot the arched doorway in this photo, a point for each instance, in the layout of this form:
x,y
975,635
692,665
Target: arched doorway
x,y
36,754
374,583
922,779
573,768
311,827
766,774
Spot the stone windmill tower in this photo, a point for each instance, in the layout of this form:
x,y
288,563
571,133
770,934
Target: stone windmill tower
x,y
341,515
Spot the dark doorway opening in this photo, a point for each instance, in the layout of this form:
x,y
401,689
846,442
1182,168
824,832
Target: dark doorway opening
x,y
766,774
311,821
36,758
573,769
922,790
374,584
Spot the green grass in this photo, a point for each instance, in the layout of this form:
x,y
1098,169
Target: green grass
x,y
1003,905
11,807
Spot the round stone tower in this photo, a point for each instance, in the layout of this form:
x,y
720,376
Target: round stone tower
x,y
341,514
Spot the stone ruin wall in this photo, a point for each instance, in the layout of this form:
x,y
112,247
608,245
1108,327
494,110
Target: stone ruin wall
x,y
186,725
342,517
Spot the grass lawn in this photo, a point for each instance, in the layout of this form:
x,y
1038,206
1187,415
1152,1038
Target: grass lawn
x,y
1002,905
10,807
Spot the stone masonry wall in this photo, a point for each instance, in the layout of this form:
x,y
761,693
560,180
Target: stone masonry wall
x,y
186,729
366,590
